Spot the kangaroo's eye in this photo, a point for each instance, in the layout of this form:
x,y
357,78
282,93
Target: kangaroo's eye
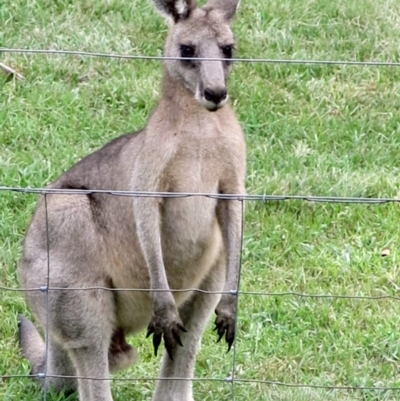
x,y
227,50
187,51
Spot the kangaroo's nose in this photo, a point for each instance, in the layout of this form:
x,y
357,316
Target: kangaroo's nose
x,y
215,95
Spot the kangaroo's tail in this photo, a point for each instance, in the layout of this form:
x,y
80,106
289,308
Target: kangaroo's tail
x,y
32,345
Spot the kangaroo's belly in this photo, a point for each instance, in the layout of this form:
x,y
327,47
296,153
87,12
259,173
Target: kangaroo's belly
x,y
191,240
191,244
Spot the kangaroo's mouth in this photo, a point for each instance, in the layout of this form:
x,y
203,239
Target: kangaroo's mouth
x,y
212,106
211,100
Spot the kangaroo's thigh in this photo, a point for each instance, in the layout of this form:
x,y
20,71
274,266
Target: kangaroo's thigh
x,y
84,321
59,368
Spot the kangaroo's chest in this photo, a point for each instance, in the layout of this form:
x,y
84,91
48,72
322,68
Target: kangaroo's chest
x,y
195,170
190,227
197,165
189,221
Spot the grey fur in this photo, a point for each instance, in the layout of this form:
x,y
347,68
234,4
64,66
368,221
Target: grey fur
x,y
122,242
227,7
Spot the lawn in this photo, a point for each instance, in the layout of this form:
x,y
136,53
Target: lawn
x,y
310,129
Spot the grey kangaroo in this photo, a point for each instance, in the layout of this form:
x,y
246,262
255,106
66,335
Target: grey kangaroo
x,y
191,143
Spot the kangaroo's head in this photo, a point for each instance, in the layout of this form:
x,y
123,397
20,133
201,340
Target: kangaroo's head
x,y
200,32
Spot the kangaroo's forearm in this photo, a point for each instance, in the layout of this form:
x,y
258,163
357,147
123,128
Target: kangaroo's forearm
x,y
230,214
147,216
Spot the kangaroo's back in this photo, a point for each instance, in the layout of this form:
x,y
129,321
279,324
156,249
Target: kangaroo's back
x,y
117,264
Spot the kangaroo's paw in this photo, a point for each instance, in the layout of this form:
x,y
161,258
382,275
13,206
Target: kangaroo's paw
x,y
225,323
168,325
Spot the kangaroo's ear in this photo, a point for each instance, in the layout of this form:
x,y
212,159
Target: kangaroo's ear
x,y
226,7
175,9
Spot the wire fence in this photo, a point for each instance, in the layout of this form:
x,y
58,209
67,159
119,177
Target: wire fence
x,y
232,379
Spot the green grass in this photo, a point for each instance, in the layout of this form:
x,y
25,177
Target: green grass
x,y
320,130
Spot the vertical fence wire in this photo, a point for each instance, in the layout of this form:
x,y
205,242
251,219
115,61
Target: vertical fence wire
x,y
47,300
234,350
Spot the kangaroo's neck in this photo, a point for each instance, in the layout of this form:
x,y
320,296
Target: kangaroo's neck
x,y
176,96
179,108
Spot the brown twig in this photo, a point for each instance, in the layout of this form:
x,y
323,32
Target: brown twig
x,y
8,70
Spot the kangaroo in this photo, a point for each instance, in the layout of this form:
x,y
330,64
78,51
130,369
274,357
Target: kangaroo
x,y
191,143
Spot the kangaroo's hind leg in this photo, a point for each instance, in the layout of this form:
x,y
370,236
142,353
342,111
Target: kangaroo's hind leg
x,y
83,321
195,314
92,371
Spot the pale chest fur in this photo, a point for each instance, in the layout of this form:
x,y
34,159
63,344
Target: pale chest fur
x,y
191,234
201,150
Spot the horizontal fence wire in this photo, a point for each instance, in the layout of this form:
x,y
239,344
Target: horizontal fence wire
x,y
230,380
198,290
208,379
243,60
239,197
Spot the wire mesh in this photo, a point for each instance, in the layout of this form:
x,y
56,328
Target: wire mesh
x,y
232,379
